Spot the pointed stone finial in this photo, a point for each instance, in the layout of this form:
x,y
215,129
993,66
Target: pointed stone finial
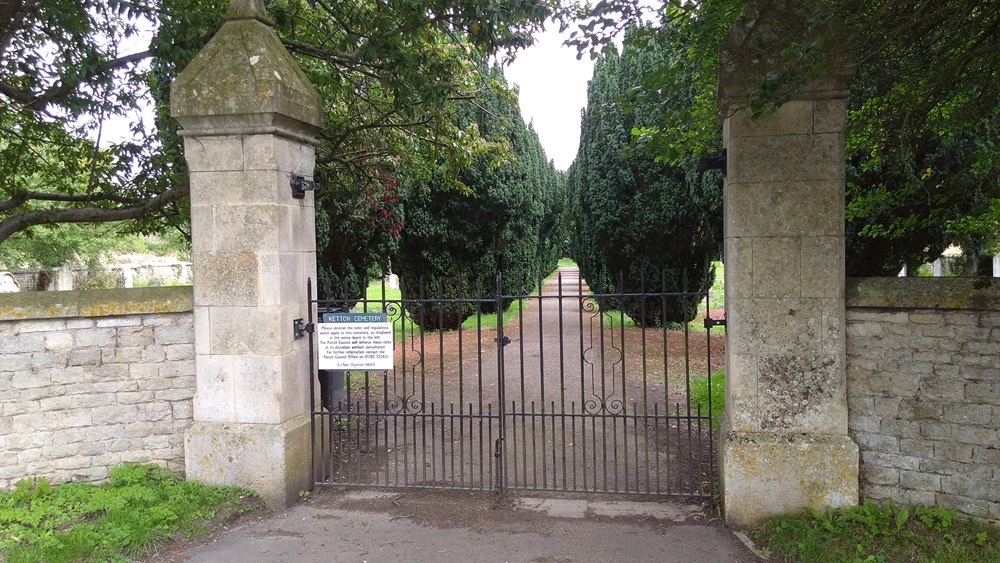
x,y
248,10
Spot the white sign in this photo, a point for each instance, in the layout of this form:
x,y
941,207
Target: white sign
x,y
358,341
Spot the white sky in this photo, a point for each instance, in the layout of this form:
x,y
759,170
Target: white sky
x,y
553,90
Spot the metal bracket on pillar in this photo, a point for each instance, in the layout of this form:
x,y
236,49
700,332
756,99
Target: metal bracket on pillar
x,y
300,328
300,186
714,162
710,322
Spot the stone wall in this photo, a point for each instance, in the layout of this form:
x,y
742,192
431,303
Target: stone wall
x,y
923,371
89,379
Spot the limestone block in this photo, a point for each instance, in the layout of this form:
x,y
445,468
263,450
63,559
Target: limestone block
x,y
822,264
227,279
251,228
295,390
258,389
777,267
739,268
202,330
793,118
58,341
274,152
282,278
218,153
766,474
272,459
784,208
830,115
167,334
302,225
802,393
202,233
249,331
245,187
135,336
214,390
741,393
784,326
808,158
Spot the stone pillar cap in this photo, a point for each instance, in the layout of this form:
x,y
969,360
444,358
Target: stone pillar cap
x,y
752,50
245,81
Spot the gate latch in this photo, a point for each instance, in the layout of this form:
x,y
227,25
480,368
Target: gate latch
x,y
710,322
502,341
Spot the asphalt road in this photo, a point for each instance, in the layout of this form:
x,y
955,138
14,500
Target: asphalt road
x,y
435,526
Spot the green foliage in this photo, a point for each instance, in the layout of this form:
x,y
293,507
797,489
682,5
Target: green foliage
x,y
642,225
454,244
906,204
871,532
81,244
140,507
925,98
392,76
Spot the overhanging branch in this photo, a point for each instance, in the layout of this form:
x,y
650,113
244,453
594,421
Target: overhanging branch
x,y
20,221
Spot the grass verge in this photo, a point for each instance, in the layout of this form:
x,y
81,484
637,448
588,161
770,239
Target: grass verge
x,y
879,534
140,508
702,393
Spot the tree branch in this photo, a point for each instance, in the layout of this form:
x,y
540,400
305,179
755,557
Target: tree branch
x,y
39,103
24,197
20,221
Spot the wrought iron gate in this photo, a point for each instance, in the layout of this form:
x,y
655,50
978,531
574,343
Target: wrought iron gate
x,y
551,389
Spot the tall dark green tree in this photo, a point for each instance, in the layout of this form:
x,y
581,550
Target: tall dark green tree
x,y
454,243
645,225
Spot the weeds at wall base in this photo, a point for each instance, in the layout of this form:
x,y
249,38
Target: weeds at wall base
x,y
141,507
875,533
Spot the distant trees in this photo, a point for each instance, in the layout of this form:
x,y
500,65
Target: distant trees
x,y
657,223
507,221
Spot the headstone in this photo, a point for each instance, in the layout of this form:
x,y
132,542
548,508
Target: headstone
x,y
63,279
8,284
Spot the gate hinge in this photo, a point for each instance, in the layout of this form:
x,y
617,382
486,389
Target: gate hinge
x,y
300,328
710,322
300,185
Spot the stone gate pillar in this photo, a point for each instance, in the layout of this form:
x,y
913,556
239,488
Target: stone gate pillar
x,y
249,118
784,441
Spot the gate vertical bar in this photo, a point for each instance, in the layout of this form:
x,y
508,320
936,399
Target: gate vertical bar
x,y
500,452
312,386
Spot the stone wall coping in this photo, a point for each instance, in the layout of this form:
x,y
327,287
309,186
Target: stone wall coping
x,y
95,302
980,294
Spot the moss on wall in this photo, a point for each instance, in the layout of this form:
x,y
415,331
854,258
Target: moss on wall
x,y
95,302
978,294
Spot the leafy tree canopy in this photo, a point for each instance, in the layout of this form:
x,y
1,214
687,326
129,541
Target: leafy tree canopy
x,y
389,72
923,110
